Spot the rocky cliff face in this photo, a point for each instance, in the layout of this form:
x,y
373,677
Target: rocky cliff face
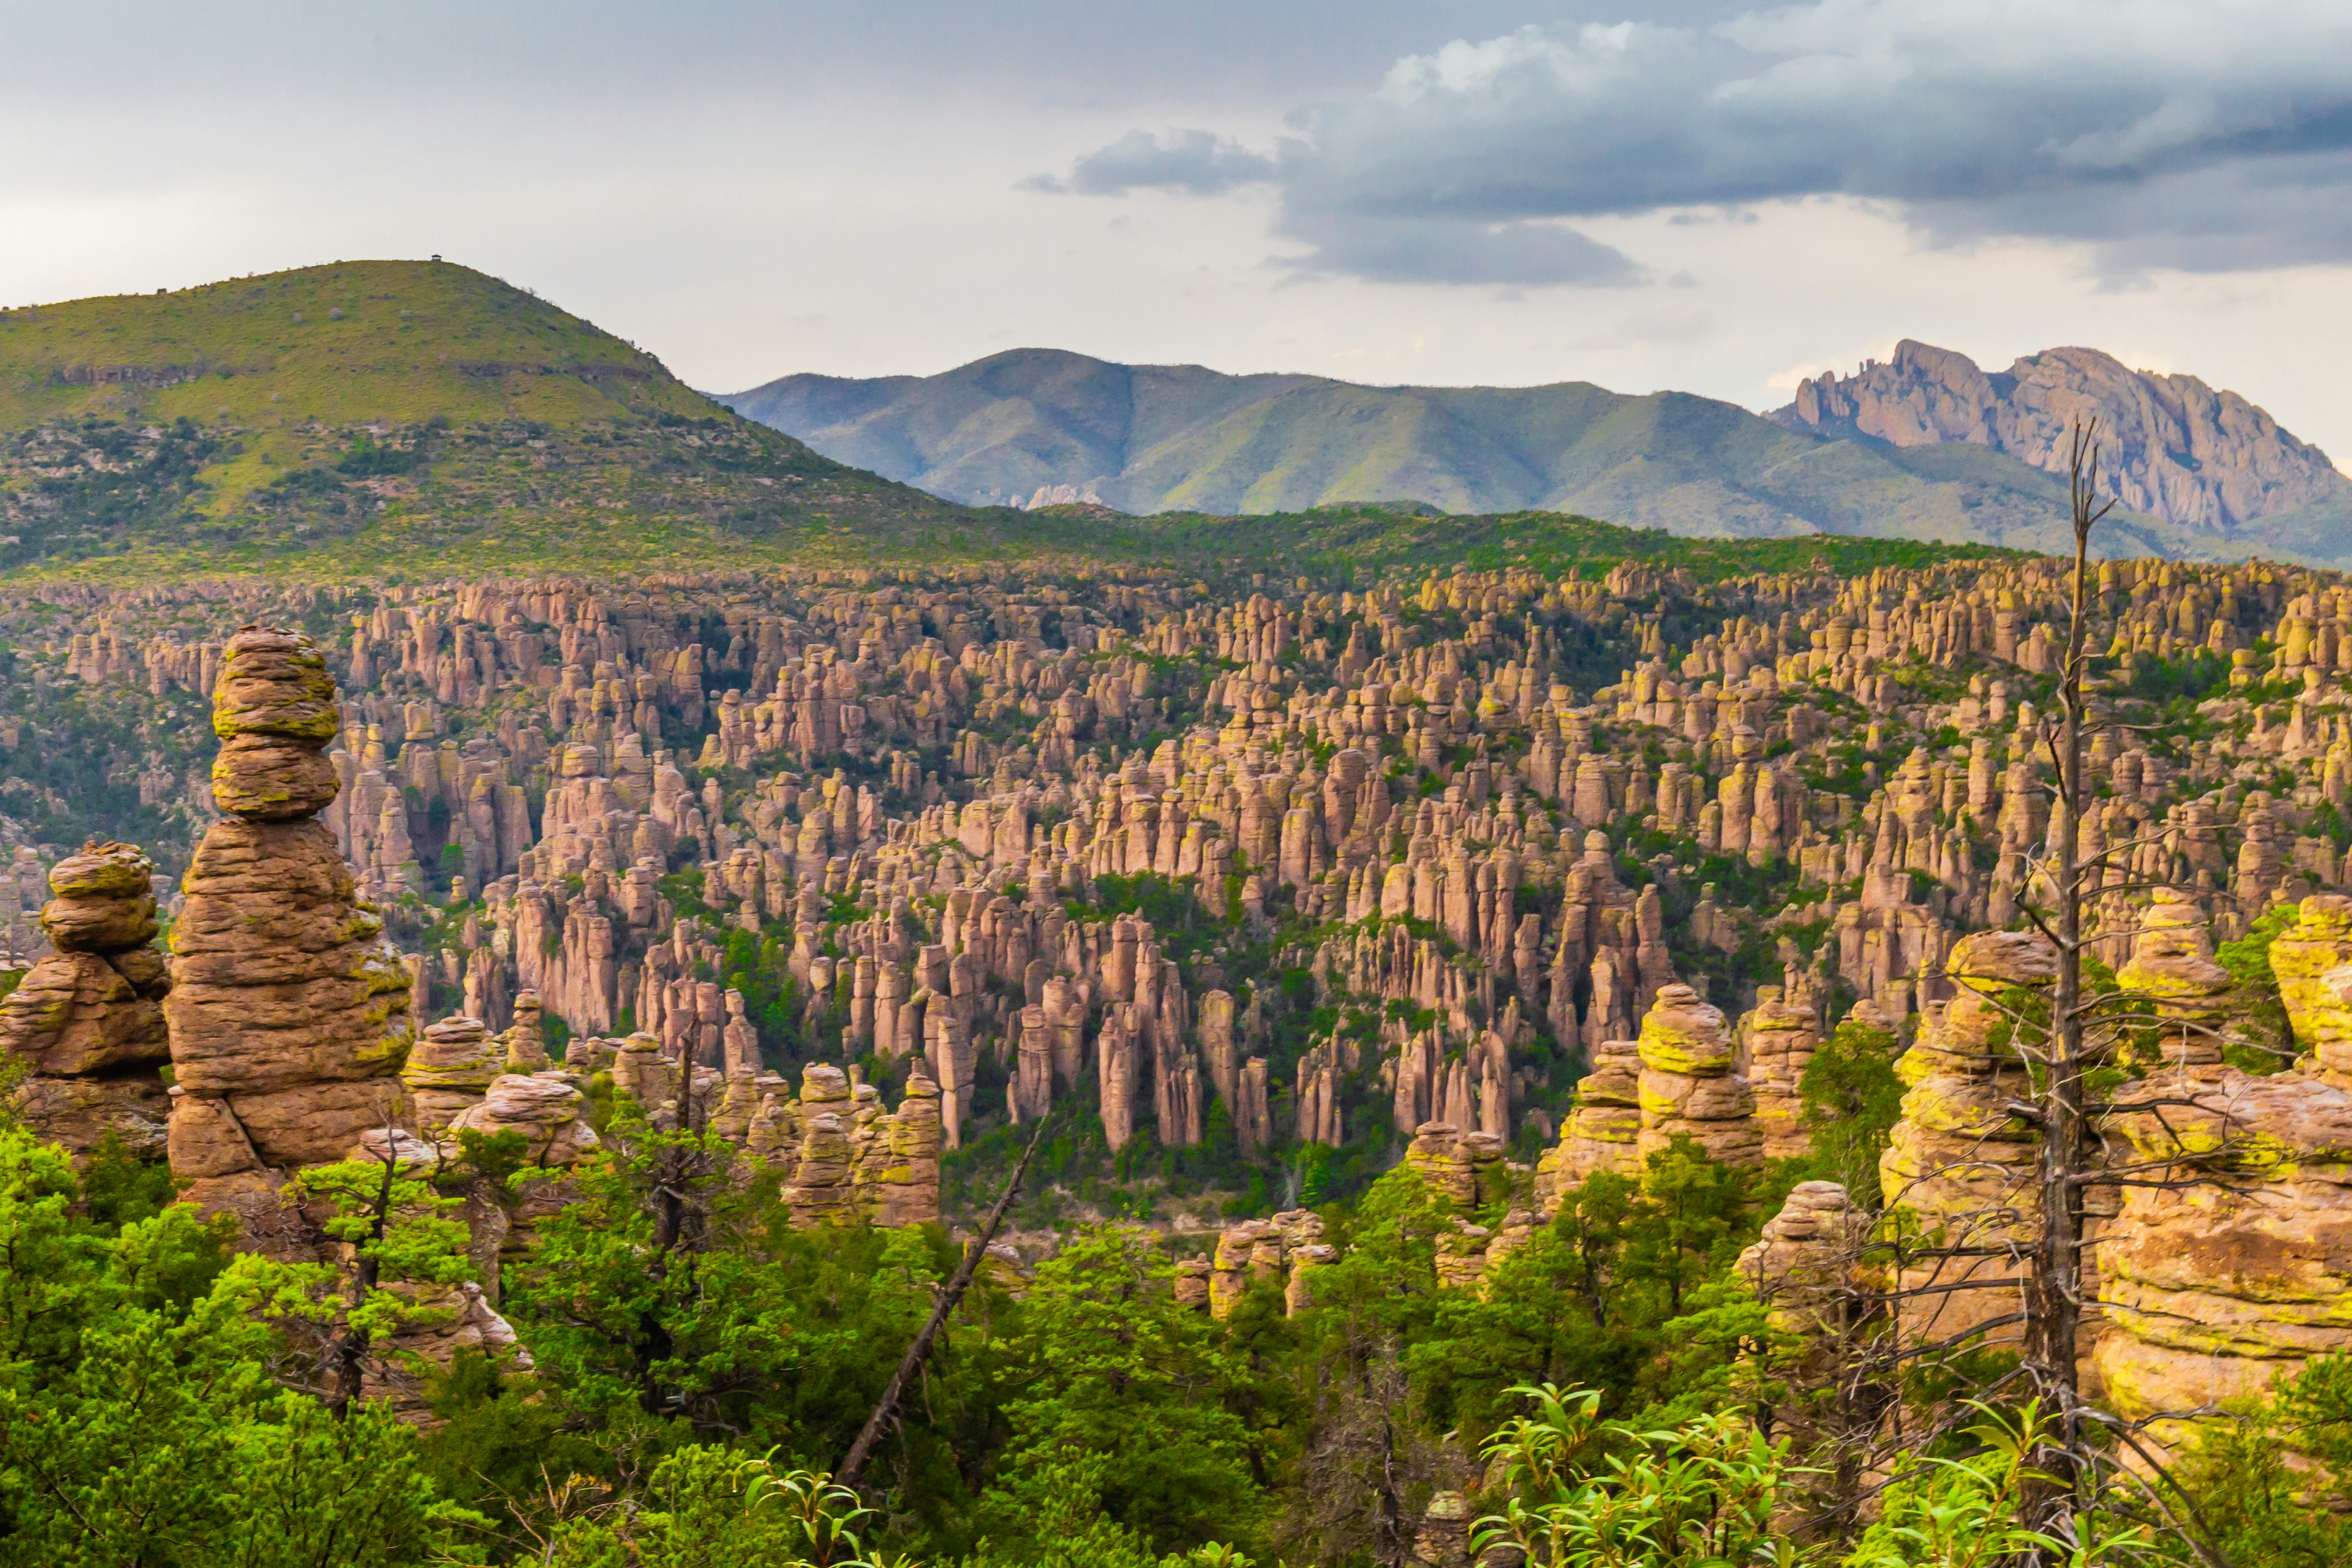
x,y
2171,446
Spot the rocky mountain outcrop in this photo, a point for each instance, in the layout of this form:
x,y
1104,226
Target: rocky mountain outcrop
x,y
2171,446
86,1021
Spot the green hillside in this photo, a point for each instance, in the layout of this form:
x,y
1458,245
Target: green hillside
x,y
1366,541
1153,439
391,417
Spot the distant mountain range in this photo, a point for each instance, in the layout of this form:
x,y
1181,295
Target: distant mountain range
x,y
1924,447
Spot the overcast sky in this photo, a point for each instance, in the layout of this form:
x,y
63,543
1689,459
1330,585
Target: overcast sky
x,y
1703,196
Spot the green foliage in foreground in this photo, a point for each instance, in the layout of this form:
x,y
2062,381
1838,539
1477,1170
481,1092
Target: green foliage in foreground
x,y
1608,1399
142,1416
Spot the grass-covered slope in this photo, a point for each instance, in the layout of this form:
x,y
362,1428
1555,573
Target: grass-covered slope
x,y
382,418
1153,439
1365,542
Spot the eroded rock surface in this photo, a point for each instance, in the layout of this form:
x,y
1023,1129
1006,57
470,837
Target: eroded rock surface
x,y
86,1021
289,1012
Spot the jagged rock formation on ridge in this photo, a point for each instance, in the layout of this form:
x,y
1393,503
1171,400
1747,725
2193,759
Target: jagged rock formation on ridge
x,y
2174,448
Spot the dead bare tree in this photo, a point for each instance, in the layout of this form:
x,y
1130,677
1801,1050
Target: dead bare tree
x,y
2068,1159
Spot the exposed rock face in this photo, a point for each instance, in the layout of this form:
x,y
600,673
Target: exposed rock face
x,y
1957,1160
288,1013
1782,1039
1688,1087
2216,1290
87,1020
2175,447
452,1067
1602,1133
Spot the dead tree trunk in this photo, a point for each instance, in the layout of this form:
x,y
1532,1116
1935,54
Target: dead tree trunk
x,y
920,1351
2053,1305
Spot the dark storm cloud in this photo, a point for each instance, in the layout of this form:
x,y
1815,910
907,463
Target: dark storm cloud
x,y
2205,136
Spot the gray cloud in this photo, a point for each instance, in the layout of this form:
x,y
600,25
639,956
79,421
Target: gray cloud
x,y
1198,163
2200,135
1407,249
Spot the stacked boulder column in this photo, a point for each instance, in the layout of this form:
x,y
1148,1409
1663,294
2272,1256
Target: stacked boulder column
x,y
288,1012
87,1020
1781,1037
2310,959
1688,1086
1957,1160
451,1068
2232,1266
1600,1134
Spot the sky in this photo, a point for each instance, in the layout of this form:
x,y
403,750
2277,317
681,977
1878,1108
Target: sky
x,y
1692,194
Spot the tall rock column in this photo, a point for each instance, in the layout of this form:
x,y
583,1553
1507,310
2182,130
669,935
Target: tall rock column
x,y
2304,957
288,1013
1781,1040
1958,1160
87,1020
1601,1133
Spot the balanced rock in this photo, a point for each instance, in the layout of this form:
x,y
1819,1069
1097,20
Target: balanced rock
x,y
453,1066
289,1010
275,713
87,1020
1688,1087
549,1113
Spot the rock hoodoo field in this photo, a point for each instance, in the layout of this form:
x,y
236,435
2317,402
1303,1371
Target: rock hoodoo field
x,y
1249,893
